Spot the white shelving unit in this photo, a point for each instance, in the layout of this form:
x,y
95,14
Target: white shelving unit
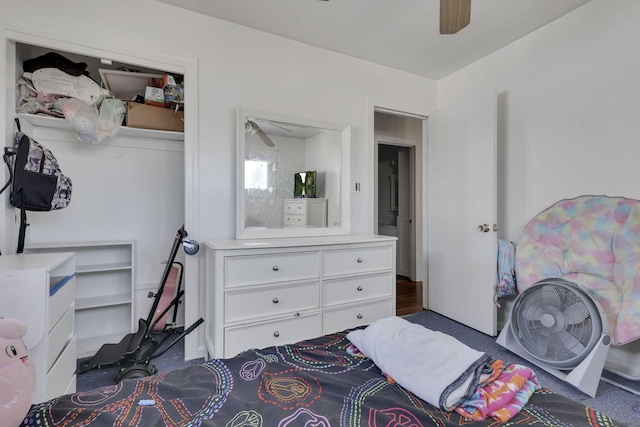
x,y
104,305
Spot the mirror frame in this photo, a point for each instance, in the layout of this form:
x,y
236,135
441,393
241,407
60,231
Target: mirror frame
x,y
345,177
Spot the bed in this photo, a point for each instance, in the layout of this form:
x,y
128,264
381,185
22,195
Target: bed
x,y
313,383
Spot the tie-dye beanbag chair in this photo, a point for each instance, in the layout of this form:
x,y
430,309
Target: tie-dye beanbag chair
x,y
593,241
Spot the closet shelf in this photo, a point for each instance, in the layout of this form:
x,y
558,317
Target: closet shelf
x,y
102,301
57,123
96,268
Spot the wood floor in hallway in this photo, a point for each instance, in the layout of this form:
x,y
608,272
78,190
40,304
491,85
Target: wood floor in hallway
x,y
408,296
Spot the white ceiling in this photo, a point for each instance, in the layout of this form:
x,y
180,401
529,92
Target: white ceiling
x,y
403,34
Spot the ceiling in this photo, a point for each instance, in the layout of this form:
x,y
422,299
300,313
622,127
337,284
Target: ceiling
x,y
403,34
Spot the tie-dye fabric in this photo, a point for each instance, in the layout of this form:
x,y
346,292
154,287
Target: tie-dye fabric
x,y
593,241
502,398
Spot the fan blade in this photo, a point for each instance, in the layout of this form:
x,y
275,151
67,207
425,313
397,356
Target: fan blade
x,y
279,126
254,129
550,297
575,313
263,136
532,313
454,15
540,344
571,343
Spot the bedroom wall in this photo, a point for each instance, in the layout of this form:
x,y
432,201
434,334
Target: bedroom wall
x,y
236,67
568,105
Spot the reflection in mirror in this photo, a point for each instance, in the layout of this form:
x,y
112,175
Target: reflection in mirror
x,y
292,179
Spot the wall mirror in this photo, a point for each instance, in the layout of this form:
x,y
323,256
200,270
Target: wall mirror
x,y
292,176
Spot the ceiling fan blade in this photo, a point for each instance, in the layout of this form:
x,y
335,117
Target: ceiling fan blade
x,y
278,126
253,128
263,136
454,15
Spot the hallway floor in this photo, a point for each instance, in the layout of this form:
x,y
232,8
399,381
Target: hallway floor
x,y
408,296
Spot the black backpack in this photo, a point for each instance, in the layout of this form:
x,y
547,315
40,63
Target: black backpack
x,y
38,182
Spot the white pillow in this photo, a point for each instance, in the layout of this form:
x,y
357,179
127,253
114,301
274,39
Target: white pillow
x,y
432,365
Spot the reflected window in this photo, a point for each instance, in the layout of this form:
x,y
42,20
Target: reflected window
x,y
255,175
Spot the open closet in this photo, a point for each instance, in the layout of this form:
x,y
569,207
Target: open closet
x,y
128,198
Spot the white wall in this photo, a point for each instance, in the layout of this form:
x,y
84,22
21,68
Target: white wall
x,y
235,67
568,98
322,154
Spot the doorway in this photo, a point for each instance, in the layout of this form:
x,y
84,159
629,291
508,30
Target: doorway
x,y
395,210
399,192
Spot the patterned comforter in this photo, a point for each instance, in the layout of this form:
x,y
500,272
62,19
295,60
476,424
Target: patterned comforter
x,y
315,383
594,242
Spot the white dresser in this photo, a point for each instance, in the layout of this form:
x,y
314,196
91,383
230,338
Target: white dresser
x,y
269,292
39,290
305,212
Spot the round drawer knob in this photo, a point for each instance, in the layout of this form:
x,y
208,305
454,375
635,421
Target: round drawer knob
x,y
359,288
359,260
275,268
276,300
276,334
359,316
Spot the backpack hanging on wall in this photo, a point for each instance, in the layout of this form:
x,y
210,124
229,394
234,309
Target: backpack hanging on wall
x,y
37,183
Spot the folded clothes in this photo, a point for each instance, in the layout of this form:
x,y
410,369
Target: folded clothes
x,y
432,365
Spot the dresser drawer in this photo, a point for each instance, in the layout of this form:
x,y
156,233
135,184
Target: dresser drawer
x,y
59,336
271,300
294,207
340,291
62,371
60,301
357,260
294,220
271,268
267,334
352,316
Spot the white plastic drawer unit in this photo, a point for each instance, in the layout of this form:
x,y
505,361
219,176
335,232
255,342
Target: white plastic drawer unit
x,y
61,296
247,270
357,260
271,300
62,374
59,337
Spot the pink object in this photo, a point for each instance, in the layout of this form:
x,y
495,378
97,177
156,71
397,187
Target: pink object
x,y
167,296
17,373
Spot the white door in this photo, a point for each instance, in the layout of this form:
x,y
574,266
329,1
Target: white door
x,y
405,255
462,197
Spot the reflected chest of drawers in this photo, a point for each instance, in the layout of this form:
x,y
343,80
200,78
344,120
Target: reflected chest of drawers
x,y
305,213
269,292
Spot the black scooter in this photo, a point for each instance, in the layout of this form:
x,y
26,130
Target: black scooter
x,y
137,349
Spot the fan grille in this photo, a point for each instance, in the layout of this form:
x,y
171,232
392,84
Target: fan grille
x,y
556,322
